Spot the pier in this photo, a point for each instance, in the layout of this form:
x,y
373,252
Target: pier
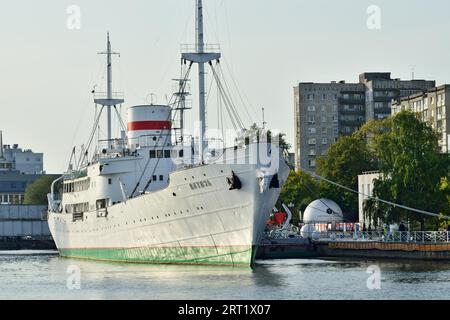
x,y
423,245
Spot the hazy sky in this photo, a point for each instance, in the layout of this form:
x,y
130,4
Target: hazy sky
x,y
48,70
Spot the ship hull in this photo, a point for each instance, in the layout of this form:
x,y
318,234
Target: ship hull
x,y
229,256
197,220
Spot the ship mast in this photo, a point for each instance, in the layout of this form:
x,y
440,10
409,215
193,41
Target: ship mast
x,y
200,56
108,100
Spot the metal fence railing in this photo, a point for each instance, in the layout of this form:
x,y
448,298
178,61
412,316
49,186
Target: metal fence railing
x,y
396,236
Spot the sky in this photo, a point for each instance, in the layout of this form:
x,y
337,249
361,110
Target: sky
x,y
48,66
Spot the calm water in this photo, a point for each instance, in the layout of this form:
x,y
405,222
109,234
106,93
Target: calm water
x,y
43,275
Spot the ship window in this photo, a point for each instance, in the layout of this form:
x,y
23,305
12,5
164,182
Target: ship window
x,y
161,177
180,153
166,153
109,181
152,154
101,203
154,178
159,153
173,154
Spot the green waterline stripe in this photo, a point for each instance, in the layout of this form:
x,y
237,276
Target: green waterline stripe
x,y
197,256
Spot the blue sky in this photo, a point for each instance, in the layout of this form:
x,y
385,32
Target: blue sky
x,y
47,70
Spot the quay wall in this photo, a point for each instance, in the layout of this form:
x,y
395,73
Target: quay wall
x,y
384,250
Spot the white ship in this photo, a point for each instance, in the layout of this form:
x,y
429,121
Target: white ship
x,y
155,196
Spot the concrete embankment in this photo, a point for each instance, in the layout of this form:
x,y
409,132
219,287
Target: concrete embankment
x,y
304,248
286,249
26,244
383,250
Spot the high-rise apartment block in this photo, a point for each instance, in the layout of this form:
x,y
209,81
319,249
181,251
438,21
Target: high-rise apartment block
x,y
433,106
325,111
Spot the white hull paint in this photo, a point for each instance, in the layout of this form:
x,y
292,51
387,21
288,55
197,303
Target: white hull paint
x,y
208,225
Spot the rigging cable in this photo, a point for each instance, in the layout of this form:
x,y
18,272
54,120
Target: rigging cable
x,y
378,199
149,159
234,117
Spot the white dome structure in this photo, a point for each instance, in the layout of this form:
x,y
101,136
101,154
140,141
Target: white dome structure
x,y
323,211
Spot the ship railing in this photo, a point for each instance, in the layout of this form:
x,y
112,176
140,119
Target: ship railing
x,y
75,174
395,236
192,47
111,146
104,95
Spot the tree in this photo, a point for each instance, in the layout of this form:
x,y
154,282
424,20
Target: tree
x,y
411,170
36,192
257,134
344,161
300,189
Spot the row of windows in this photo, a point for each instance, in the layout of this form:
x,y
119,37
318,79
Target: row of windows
x,y
312,108
155,178
357,96
7,185
313,152
6,165
356,107
77,207
389,94
313,130
313,141
324,96
11,198
312,119
76,186
166,154
324,130
352,118
381,105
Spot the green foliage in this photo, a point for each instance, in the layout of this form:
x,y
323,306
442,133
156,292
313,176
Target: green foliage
x,y
36,192
411,170
256,134
300,189
344,161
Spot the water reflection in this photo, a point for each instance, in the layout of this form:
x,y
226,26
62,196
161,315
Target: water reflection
x,y
44,276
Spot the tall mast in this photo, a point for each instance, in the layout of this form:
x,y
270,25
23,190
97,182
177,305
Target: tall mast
x,y
200,47
109,85
200,57
109,101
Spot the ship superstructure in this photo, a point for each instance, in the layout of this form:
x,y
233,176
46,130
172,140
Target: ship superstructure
x,y
155,196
